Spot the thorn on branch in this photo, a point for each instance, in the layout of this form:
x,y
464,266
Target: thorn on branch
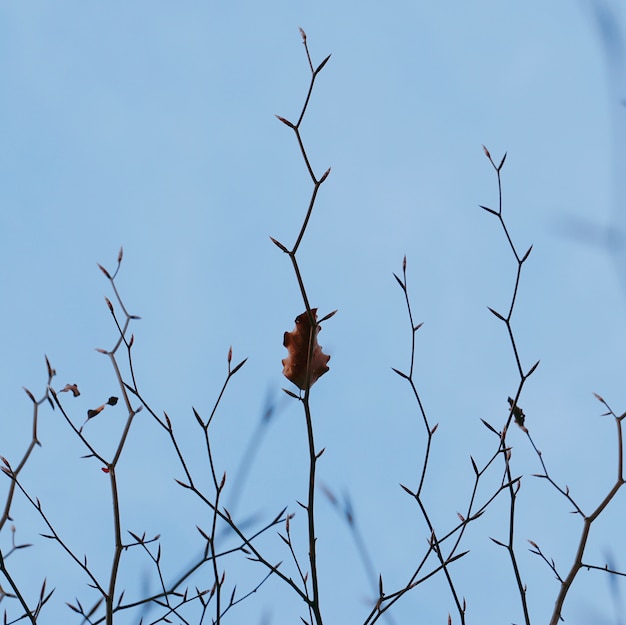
x,y
321,65
497,314
402,375
291,394
526,255
104,271
490,427
328,316
474,465
408,490
532,369
279,245
402,285
51,371
489,210
286,122
241,364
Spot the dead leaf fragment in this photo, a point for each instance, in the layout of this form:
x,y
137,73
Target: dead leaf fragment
x,y
296,367
73,388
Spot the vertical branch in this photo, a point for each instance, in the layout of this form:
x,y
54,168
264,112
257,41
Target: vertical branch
x,y
434,541
515,413
313,327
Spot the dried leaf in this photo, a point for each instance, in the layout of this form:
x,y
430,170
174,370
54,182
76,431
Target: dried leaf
x,y
95,411
71,387
296,367
518,413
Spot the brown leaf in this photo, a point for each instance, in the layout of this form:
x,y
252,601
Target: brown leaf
x,y
73,388
298,344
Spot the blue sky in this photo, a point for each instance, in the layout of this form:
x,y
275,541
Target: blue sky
x,y
152,126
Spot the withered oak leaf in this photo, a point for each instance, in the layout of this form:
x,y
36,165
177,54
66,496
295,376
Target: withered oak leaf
x,y
298,345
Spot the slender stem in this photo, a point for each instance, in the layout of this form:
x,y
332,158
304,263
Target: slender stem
x,y
311,511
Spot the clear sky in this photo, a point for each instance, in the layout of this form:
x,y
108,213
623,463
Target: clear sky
x,y
151,125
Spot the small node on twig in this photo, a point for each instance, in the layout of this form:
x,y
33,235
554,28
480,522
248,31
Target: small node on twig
x,y
402,375
237,367
490,427
408,490
489,210
497,314
328,316
51,371
474,465
285,121
291,394
321,65
279,245
104,271
532,369
402,284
